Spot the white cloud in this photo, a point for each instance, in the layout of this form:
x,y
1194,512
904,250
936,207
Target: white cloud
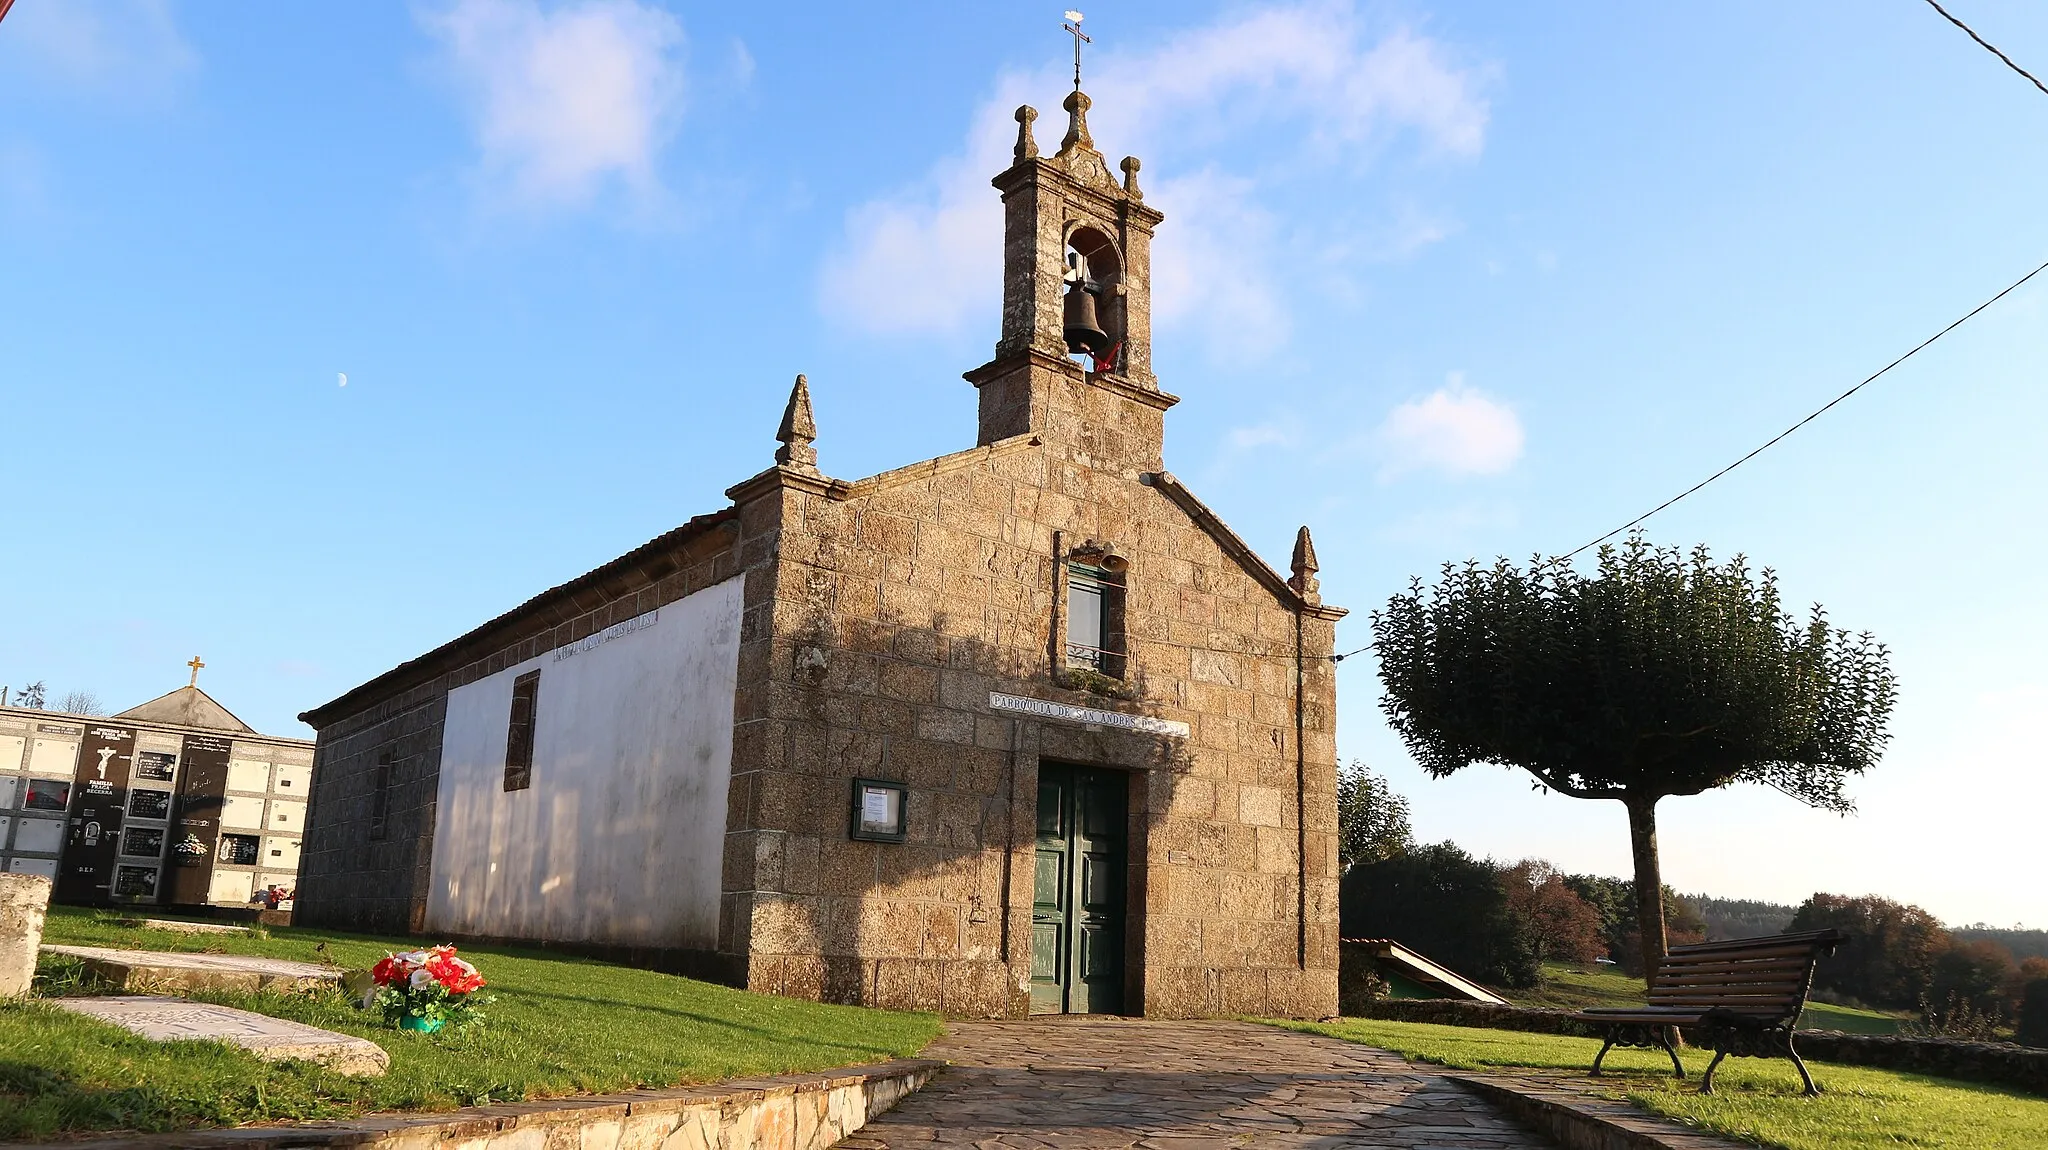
x,y
1453,430
566,99
1257,436
1308,78
120,46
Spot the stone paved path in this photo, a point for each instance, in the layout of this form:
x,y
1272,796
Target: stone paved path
x,y
1110,1084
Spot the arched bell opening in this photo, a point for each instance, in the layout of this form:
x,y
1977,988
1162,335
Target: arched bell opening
x,y
1093,314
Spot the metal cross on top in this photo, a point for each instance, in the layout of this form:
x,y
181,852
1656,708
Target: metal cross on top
x,y
195,664
1073,25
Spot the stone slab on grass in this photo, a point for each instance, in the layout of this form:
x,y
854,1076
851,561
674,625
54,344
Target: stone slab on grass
x,y
183,926
272,1039
158,970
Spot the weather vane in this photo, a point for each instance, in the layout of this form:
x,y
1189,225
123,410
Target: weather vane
x,y
1073,25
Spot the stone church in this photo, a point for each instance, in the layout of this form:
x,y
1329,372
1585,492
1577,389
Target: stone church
x,y
1022,729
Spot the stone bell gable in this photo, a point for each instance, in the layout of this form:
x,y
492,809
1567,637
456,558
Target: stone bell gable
x,y
1112,412
1022,729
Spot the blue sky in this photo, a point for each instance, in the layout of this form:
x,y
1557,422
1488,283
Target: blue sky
x,y
1440,280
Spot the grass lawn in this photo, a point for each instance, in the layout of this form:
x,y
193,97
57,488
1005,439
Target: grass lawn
x,y
1757,1100
559,1026
1568,987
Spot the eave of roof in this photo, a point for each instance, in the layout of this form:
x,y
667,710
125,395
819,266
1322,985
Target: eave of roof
x,y
472,644
1234,545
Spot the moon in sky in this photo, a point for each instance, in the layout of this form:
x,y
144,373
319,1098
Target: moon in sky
x,y
344,377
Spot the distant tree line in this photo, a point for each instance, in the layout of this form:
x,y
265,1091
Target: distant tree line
x,y
1499,923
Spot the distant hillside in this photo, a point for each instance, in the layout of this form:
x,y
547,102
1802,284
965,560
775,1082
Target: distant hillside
x,y
2022,943
1741,917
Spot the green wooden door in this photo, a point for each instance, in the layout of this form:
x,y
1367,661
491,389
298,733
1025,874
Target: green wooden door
x,y
1077,907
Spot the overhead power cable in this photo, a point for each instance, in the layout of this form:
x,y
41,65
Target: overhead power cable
x,y
1988,46
2009,288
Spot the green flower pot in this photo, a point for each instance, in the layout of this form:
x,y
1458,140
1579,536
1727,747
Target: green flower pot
x,y
423,1025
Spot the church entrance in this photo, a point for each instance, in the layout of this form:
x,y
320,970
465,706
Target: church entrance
x,y
1077,905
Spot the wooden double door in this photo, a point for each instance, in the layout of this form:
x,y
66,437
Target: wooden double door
x,y
1077,905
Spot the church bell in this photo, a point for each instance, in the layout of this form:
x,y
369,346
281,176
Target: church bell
x,y
1082,330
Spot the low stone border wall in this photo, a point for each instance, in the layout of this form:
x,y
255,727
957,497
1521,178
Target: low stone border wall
x,y
1993,1063
1578,1121
794,1112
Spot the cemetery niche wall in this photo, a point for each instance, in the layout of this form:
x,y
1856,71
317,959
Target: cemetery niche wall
x,y
1024,728
173,803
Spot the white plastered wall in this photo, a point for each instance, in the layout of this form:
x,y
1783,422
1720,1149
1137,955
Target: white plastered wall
x,y
621,836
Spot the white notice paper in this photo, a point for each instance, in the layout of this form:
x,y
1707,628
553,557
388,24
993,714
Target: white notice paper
x,y
874,807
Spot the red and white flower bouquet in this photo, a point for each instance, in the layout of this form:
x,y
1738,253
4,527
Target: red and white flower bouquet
x,y
427,989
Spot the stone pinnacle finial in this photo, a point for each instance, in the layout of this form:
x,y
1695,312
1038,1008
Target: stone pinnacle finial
x,y
1130,167
1077,104
1027,148
797,431
1305,568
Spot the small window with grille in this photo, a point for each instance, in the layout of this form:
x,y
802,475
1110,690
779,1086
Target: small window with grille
x,y
519,732
1095,618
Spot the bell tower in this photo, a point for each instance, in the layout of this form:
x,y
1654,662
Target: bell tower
x,y
1074,361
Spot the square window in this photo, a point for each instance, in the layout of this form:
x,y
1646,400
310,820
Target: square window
x,y
879,809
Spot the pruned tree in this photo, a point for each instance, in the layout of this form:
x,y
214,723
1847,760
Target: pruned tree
x,y
1661,674
1372,820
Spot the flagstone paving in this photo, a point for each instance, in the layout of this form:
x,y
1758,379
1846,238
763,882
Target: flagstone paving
x,y
1112,1084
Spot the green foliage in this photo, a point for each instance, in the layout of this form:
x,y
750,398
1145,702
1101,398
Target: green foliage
x,y
1756,1101
433,1006
1973,974
1372,820
1740,917
1444,903
1661,675
1558,924
559,1026
1890,954
1615,901
2033,1025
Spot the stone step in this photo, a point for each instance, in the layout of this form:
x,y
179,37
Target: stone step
x,y
272,1039
159,970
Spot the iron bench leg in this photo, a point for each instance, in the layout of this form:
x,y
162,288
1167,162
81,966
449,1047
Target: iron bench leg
x,y
1664,1040
1604,1048
1812,1090
1707,1079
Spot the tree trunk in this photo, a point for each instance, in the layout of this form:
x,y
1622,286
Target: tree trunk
x,y
1642,839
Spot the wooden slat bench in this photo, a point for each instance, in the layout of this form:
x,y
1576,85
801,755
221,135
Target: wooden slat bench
x,y
1742,997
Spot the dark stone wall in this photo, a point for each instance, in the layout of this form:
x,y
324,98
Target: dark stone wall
x,y
1995,1063
351,878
